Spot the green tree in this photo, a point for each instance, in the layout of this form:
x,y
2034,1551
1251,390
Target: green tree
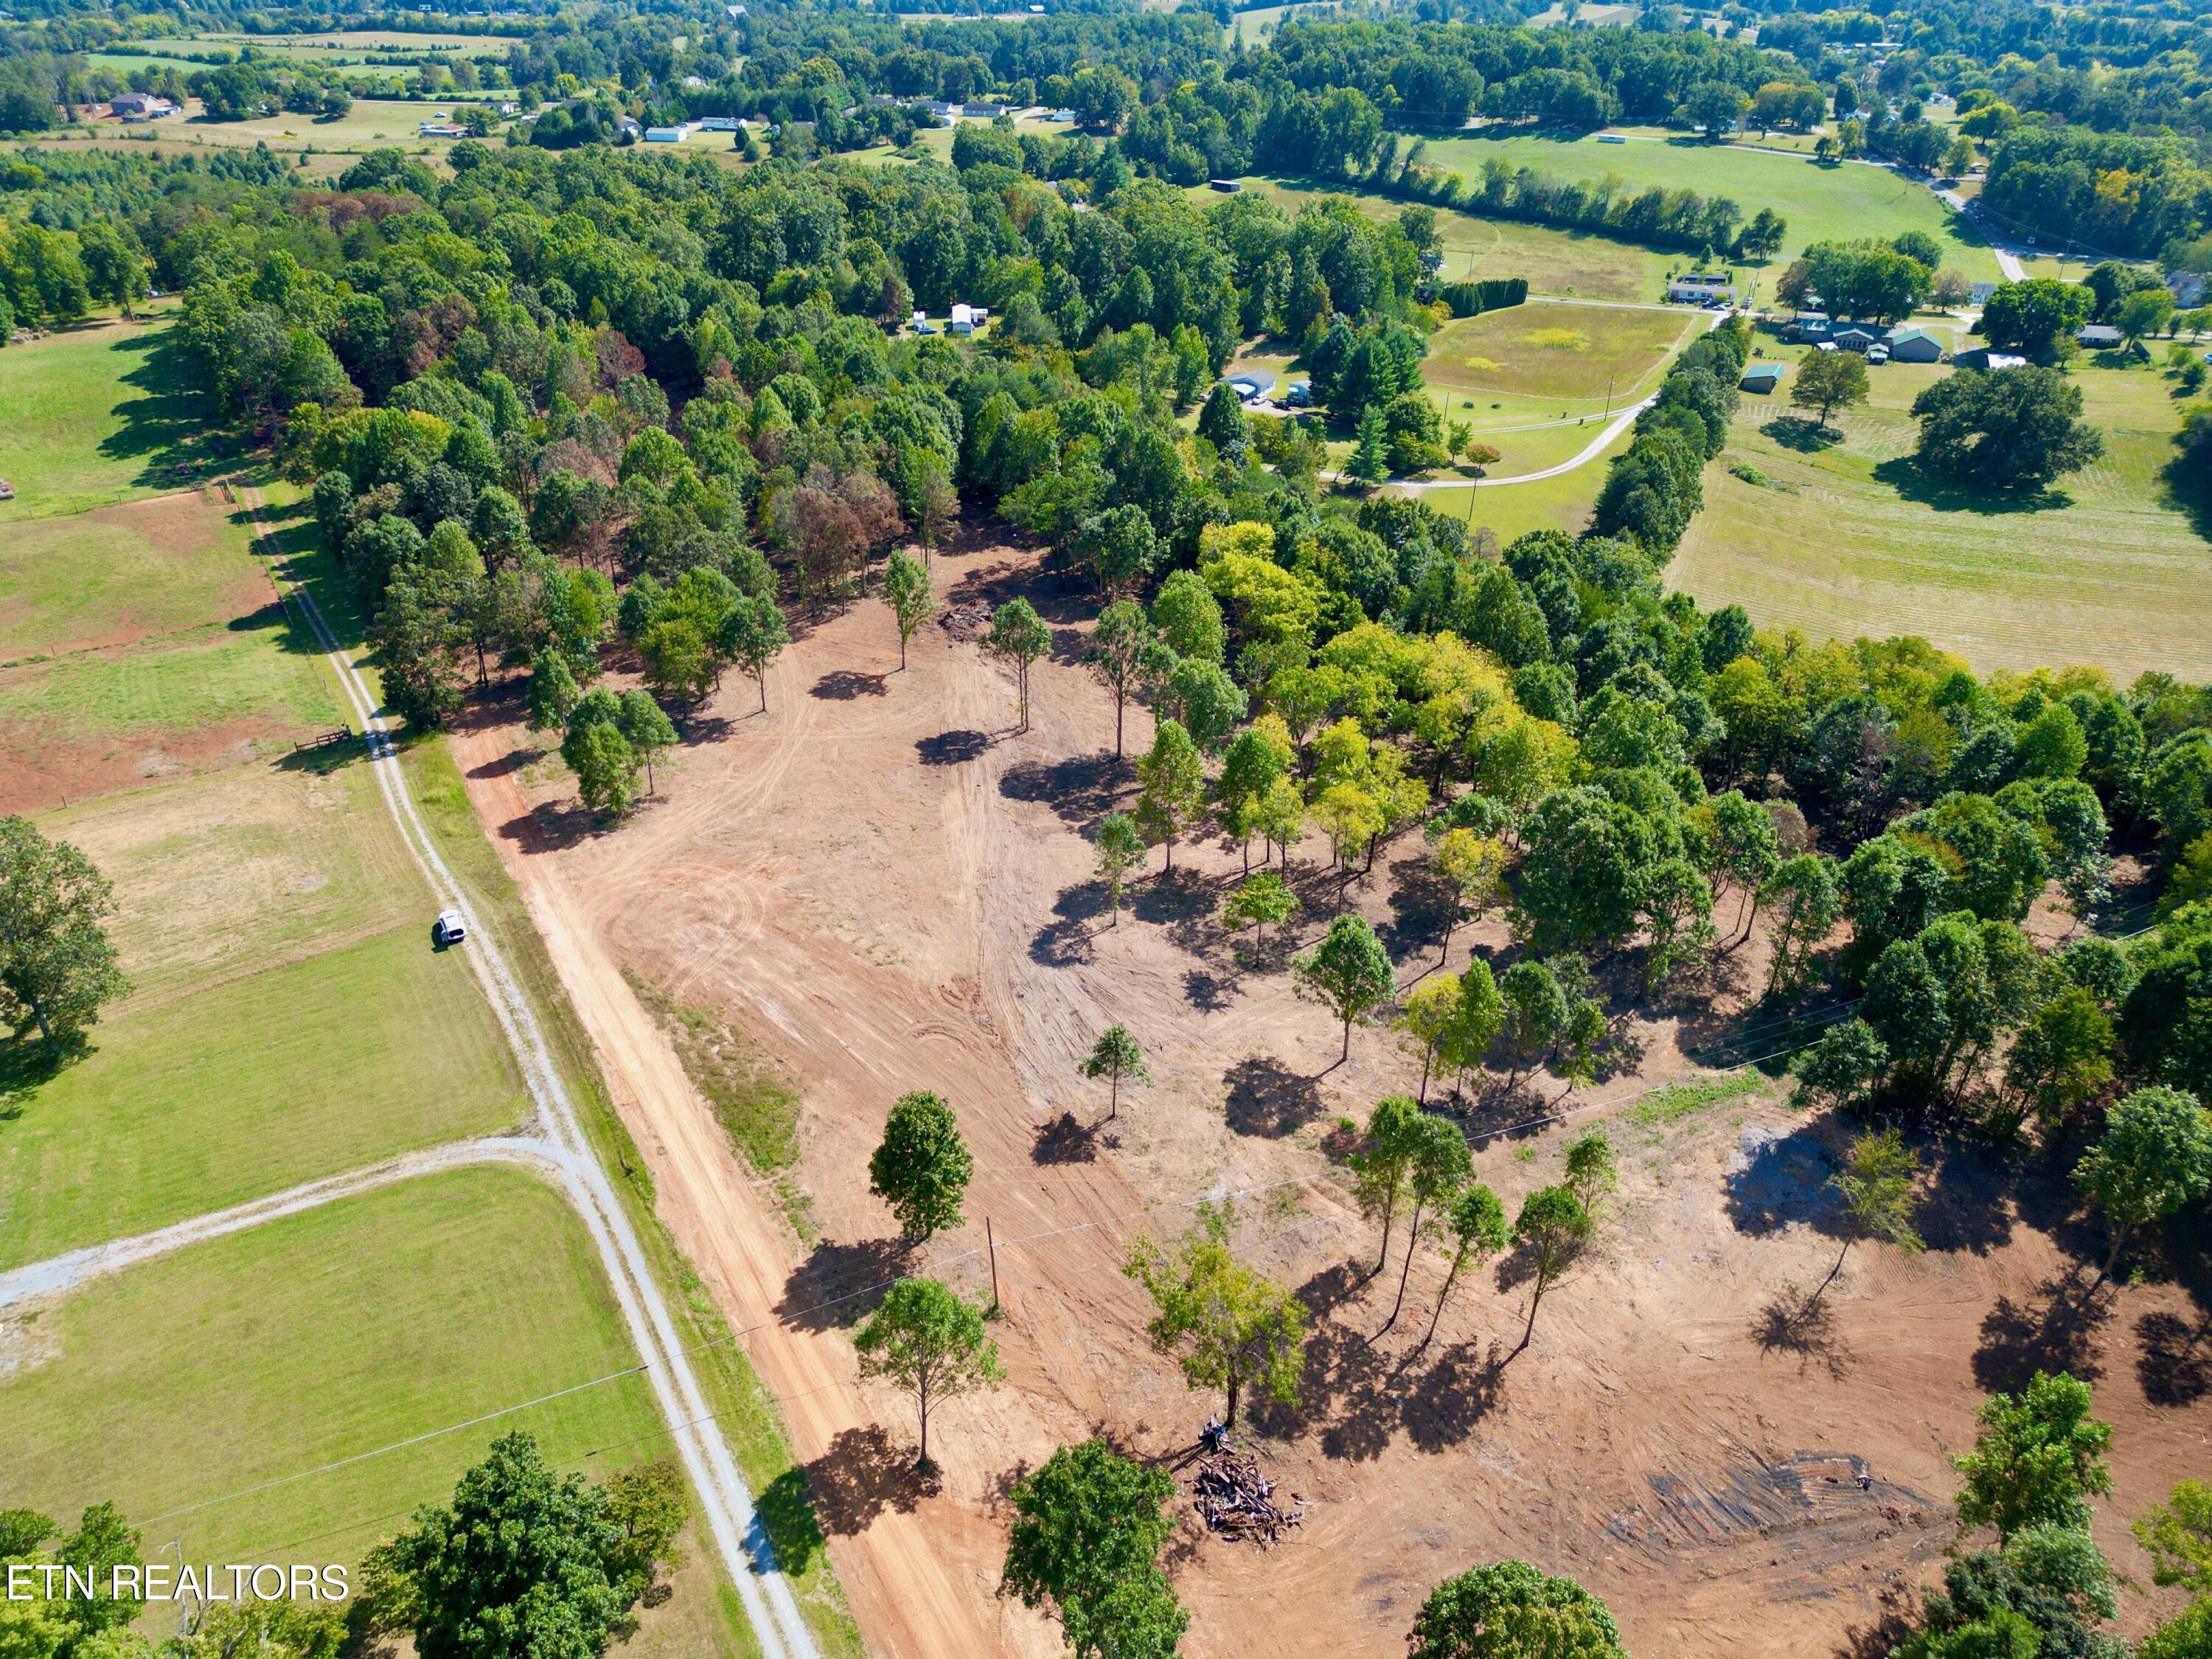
x,y
753,636
932,1344
2015,430
1426,1020
1806,906
1510,1611
2179,1536
1536,1013
1877,1185
1383,1165
1121,850
1348,972
2155,1157
1473,870
1119,547
2038,317
1259,900
605,765
1480,1231
1086,1536
649,731
1123,654
906,590
1677,908
1826,381
1227,1325
1552,1231
1189,617
57,963
1370,453
1592,1173
553,692
1173,776
1586,856
1437,1166
114,266
1221,422
922,1167
1116,1055
267,1630
1018,637
2038,1460
524,1562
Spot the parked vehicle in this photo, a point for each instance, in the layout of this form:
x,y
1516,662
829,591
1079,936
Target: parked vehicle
x,y
449,928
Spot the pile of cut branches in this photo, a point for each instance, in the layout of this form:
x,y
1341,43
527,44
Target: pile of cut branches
x,y
1236,1500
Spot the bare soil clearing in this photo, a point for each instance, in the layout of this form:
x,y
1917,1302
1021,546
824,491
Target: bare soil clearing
x,y
890,889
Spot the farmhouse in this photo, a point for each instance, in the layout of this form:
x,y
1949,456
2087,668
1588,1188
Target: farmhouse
x,y
140,106
1251,383
442,129
1853,339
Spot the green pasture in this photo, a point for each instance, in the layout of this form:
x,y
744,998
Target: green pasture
x,y
184,684
121,573
1547,352
261,1356
2104,569
202,1101
1852,199
101,412
1558,503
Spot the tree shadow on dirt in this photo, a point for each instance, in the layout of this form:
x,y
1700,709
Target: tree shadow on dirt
x,y
1420,906
952,748
1066,1140
1465,1384
553,826
1778,1181
1208,991
2175,1364
1078,918
844,684
1267,1099
2057,1330
839,1286
1789,1325
1182,902
514,760
1081,789
864,1474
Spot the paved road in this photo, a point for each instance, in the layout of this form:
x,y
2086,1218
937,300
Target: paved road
x,y
556,1149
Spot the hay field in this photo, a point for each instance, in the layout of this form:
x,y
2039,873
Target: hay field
x,y
1556,353
100,412
1851,539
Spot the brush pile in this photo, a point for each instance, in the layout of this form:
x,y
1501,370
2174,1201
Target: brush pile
x,y
969,620
1237,1501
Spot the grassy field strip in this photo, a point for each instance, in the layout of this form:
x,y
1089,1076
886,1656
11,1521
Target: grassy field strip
x,y
59,1274
773,1611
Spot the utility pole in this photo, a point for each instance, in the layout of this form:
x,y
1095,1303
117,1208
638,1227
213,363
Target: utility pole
x,y
991,1239
1608,397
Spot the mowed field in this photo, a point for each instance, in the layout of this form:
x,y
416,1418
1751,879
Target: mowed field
x,y
175,1388
1556,354
99,413
1852,539
1851,200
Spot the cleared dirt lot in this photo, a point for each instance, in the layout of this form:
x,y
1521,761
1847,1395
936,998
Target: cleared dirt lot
x,y
890,891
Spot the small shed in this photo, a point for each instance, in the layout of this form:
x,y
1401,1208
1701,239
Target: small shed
x,y
2098,337
663,134
1762,378
1984,357
1915,345
1226,186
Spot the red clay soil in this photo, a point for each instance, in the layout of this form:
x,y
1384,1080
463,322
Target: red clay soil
x,y
889,890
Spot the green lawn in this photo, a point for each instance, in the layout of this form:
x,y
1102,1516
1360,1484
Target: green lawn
x,y
1560,504
1847,201
206,1100
2105,570
318,1337
96,414
189,681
